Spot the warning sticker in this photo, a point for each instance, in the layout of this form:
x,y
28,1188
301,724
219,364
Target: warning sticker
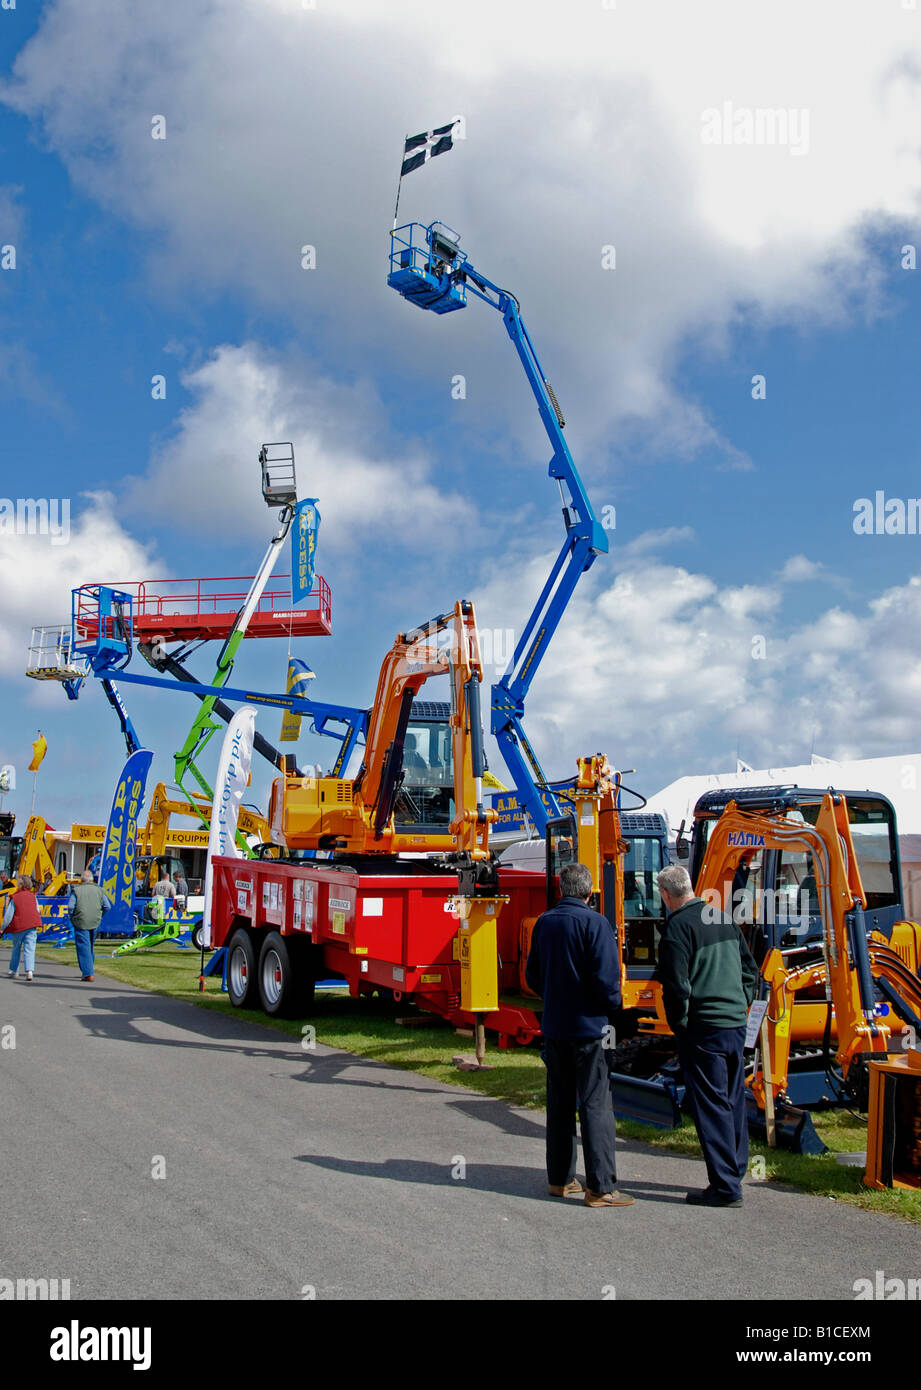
x,y
339,923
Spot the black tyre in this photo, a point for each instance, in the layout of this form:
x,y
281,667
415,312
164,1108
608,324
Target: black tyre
x,y
286,977
242,972
197,936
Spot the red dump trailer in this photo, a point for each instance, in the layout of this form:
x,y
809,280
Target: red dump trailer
x,y
288,924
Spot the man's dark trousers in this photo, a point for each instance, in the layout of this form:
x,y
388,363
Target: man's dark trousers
x,y
713,1066
577,1076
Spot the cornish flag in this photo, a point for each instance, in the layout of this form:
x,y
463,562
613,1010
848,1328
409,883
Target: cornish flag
x,y
419,148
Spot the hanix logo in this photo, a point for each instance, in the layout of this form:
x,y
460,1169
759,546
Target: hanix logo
x,y
76,1343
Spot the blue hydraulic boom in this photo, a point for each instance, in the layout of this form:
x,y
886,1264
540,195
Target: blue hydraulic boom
x,y
428,268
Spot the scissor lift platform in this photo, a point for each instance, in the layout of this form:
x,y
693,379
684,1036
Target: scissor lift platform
x,y
201,610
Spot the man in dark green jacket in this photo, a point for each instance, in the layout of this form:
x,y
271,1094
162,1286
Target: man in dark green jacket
x,y
87,905
708,978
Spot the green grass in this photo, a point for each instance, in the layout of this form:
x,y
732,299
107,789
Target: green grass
x,y
369,1029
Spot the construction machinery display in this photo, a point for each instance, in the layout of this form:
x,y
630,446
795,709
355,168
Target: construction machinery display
x,y
387,879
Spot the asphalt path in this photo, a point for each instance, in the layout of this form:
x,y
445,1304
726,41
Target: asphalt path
x,y
153,1149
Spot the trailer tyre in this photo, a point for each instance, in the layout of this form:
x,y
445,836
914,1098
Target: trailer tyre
x,y
242,971
286,980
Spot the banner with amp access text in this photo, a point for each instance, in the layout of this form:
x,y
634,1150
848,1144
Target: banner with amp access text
x,y
304,528
116,874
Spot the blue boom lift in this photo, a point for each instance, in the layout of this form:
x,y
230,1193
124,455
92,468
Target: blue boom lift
x,y
428,268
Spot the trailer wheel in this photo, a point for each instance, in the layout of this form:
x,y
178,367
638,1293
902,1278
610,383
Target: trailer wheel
x,y
242,973
286,978
198,934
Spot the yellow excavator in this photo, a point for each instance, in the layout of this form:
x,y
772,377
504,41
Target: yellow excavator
x,y
163,807
840,976
355,816
35,861
853,990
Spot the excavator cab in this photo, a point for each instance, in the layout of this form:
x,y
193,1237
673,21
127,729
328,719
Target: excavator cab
x,y
425,800
149,869
783,881
10,855
10,846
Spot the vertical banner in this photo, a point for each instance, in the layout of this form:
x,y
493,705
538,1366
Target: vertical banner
x,y
299,676
116,872
232,779
304,530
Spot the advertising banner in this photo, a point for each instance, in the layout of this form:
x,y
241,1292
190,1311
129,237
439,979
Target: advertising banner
x,y
116,874
232,780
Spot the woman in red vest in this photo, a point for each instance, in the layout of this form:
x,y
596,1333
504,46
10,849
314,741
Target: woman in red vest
x,y
23,923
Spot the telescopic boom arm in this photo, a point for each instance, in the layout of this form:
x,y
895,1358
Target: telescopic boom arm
x,y
429,269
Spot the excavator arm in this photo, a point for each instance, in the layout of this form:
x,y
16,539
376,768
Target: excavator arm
x,y
357,815
845,971
163,807
37,862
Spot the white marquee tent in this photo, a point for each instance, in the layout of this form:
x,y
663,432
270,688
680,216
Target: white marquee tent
x,y
898,778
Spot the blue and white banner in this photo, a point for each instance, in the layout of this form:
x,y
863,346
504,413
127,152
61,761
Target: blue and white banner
x,y
116,874
232,780
304,530
299,677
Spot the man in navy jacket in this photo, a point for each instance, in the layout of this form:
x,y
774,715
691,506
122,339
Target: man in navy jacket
x,y
573,966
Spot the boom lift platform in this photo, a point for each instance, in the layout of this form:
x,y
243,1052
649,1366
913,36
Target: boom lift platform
x,y
428,268
109,621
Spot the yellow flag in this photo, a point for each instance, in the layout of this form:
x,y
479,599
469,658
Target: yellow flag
x,y
39,749
493,783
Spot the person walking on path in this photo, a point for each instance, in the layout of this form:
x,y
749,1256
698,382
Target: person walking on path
x,y
573,965
86,905
708,978
22,921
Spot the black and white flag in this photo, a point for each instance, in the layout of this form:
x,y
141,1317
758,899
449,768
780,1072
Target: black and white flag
x,y
419,148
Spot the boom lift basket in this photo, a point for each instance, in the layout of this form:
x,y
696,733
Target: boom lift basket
x,y
51,657
279,486
102,625
426,267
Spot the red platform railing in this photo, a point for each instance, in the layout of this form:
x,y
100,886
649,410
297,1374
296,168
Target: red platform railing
x,y
182,610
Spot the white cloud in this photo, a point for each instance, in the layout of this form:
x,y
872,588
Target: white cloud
x,y
654,540
583,129
662,670
800,569
244,396
38,574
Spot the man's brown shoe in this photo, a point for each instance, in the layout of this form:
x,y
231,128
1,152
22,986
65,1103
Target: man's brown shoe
x,y
87,978
572,1189
607,1199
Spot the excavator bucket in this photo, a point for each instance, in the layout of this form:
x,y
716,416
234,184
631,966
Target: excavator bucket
x,y
793,1128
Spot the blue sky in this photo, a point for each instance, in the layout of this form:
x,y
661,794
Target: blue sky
x,y
583,129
